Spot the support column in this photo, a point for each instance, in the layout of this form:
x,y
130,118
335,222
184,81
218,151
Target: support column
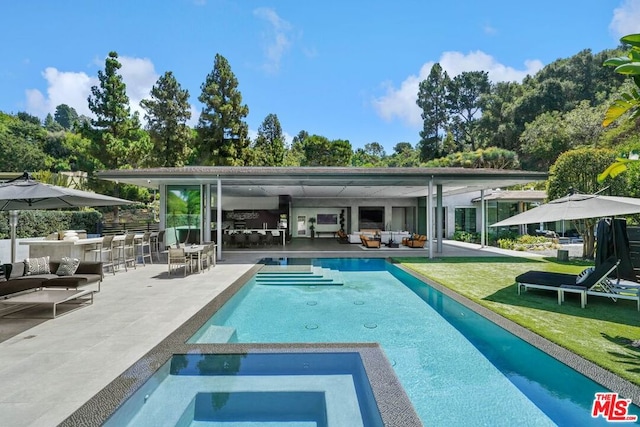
x,y
219,217
429,217
205,226
483,225
13,223
439,216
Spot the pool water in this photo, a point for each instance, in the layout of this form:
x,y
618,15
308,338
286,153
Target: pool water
x,y
457,367
254,389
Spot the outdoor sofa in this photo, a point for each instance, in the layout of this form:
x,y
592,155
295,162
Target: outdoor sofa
x,y
17,280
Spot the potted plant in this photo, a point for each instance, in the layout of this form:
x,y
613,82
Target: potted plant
x,y
312,227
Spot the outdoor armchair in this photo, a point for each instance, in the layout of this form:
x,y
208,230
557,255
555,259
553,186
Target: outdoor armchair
x,y
417,242
369,242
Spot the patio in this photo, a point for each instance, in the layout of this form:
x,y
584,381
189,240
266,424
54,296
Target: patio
x,y
51,367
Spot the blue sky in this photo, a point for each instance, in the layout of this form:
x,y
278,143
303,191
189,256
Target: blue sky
x,y
342,69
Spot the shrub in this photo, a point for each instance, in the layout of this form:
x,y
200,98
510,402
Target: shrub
x,y
38,223
465,236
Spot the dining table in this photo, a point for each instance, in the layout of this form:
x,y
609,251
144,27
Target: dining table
x,y
196,252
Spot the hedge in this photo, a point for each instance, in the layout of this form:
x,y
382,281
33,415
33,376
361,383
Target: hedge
x,y
39,223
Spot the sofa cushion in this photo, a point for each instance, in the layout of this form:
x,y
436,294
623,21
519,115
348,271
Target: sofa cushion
x,y
12,286
67,266
14,270
36,266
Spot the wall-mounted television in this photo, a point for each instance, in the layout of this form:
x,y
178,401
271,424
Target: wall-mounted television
x,y
327,218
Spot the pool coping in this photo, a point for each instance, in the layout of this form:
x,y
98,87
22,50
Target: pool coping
x,y
393,403
587,368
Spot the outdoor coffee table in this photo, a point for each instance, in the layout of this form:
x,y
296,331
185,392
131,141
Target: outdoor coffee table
x,y
53,298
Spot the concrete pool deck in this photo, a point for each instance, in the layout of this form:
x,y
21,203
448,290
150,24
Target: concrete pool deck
x,y
52,367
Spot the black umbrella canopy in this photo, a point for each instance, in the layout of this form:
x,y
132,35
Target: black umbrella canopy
x,y
24,193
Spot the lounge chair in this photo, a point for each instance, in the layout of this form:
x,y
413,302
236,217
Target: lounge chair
x,y
417,241
368,242
595,283
618,289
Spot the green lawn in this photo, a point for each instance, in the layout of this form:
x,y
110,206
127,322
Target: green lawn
x,y
604,332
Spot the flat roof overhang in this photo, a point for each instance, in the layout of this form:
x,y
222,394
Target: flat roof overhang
x,y
326,182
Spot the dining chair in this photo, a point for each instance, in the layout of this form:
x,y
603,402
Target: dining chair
x,y
227,239
268,238
209,255
254,239
240,239
178,258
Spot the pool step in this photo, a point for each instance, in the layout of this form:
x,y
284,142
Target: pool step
x,y
285,273
301,283
290,276
293,279
317,276
219,335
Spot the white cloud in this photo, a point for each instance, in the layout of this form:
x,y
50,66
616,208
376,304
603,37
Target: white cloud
x,y
489,30
626,19
73,88
139,75
401,102
69,88
277,38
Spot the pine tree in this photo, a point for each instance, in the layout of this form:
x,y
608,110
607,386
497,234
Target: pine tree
x,y
110,104
66,116
432,100
222,133
269,143
167,112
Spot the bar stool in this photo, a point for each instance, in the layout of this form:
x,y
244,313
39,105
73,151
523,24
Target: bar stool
x,y
104,253
157,243
145,242
129,250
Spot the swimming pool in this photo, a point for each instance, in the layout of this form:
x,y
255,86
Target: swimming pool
x,y
301,389
457,367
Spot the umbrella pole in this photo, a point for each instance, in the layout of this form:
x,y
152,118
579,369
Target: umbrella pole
x,y
13,222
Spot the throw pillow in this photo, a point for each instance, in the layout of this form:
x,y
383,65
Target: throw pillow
x,y
37,266
67,266
583,276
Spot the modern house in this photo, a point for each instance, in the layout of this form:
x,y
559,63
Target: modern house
x,y
202,202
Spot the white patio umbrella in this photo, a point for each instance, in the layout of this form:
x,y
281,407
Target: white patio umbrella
x,y
24,193
575,206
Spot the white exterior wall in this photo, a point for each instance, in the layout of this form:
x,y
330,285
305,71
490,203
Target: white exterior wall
x,y
460,201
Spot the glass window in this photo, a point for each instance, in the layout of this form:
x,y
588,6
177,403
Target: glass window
x,y
466,219
183,214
